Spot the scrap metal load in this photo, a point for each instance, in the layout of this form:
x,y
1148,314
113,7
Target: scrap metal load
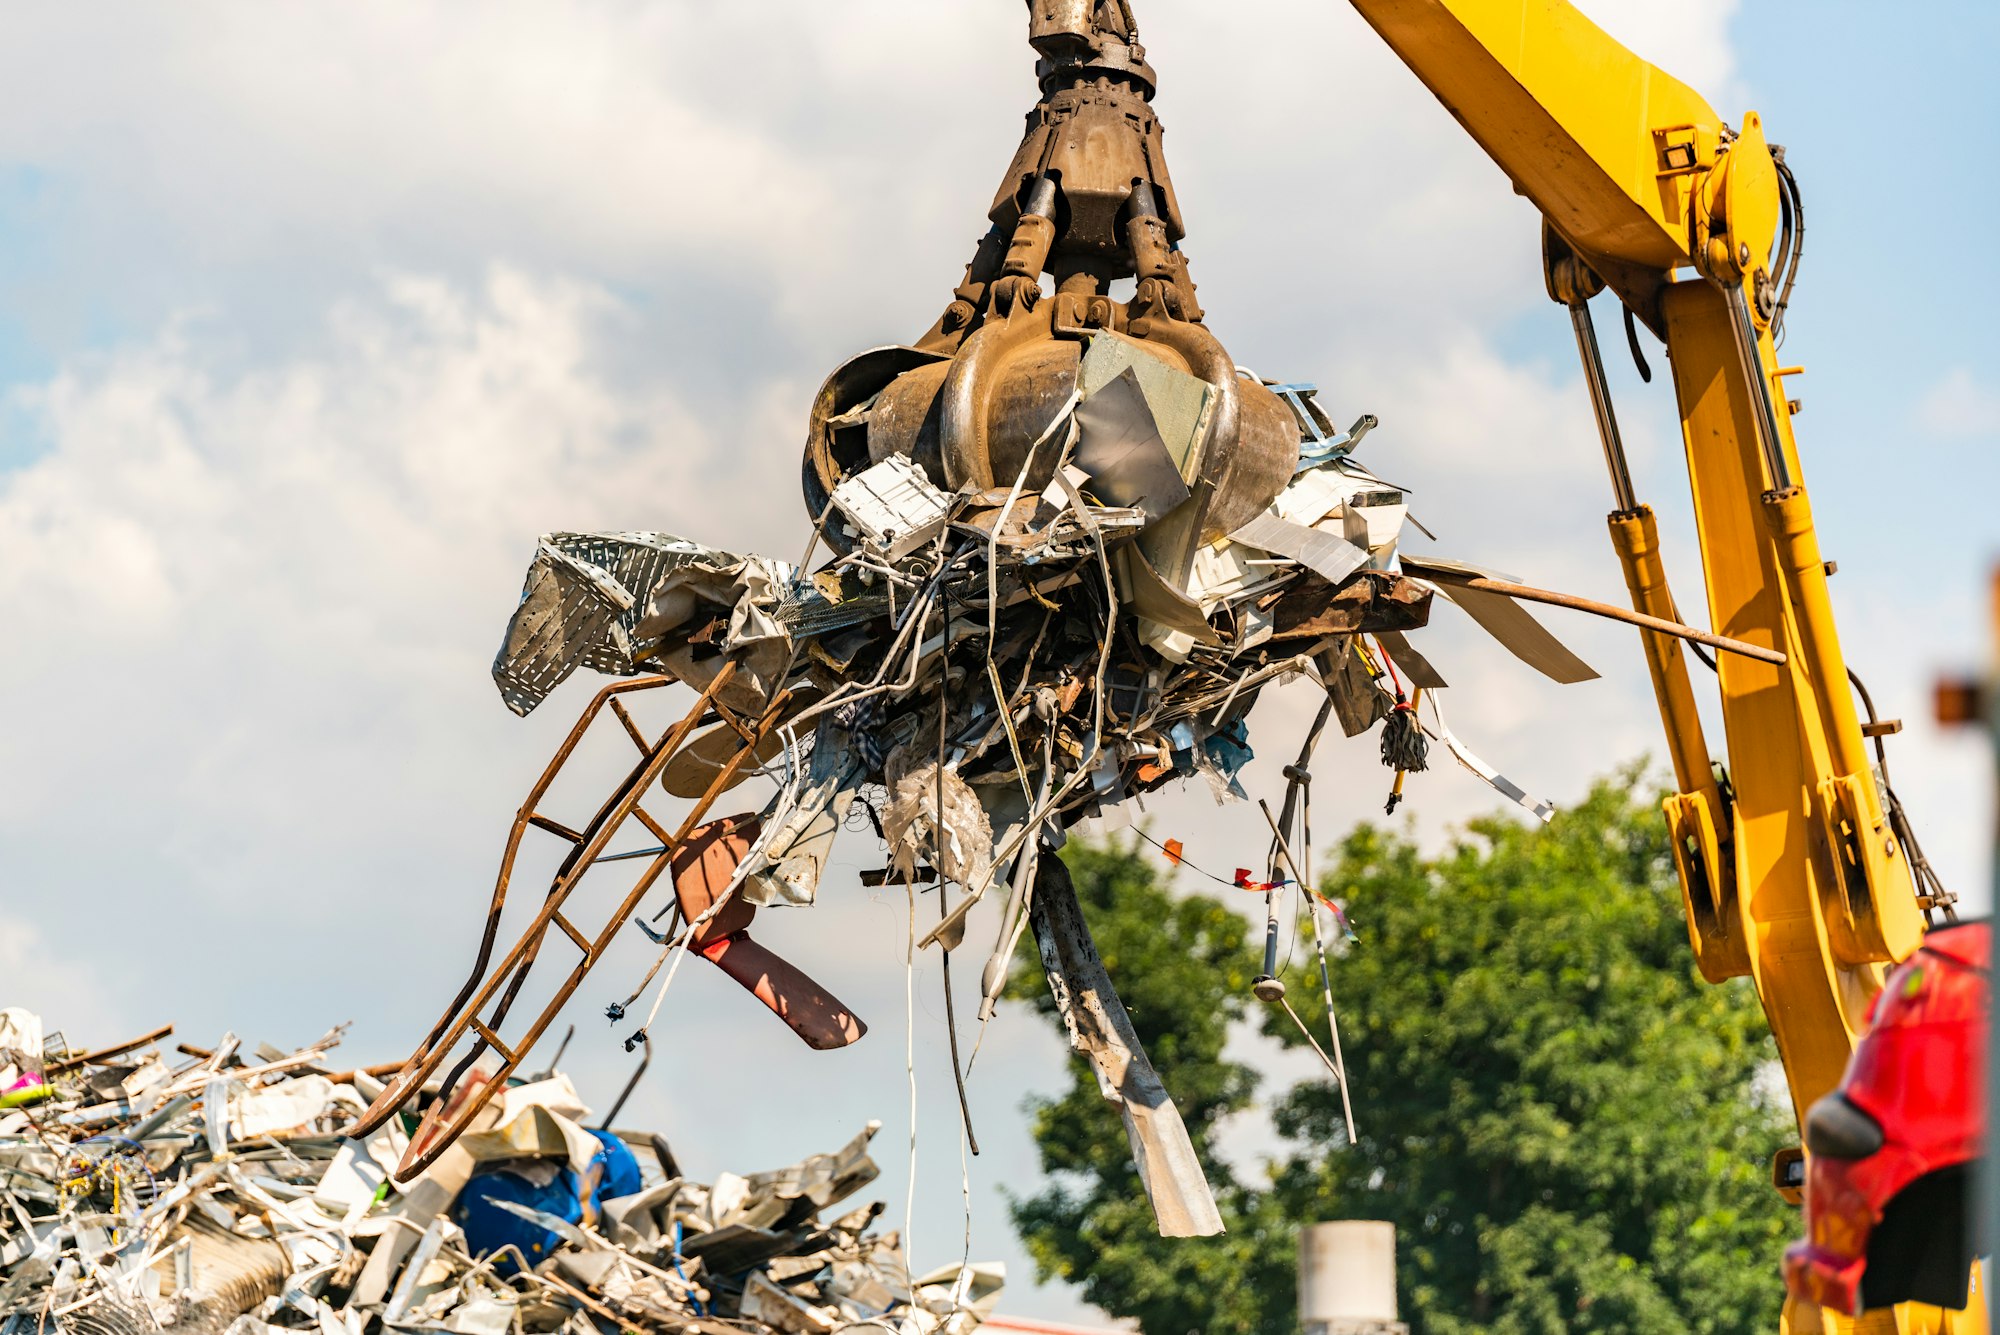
x,y
212,1190
1071,543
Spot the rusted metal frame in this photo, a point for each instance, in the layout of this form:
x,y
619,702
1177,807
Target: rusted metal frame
x,y
521,821
730,717
631,783
493,1040
426,1057
559,892
653,827
631,728
514,968
569,929
436,1134
574,864
115,1050
555,827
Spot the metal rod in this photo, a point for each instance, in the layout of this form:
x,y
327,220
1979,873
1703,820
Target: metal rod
x,y
1326,975
1269,976
1270,934
630,1085
555,1062
1600,404
115,1050
635,853
1528,593
1758,386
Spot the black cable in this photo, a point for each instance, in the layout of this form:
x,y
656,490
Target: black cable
x,y
1781,260
1181,861
1793,206
630,1085
1632,341
1929,884
1708,659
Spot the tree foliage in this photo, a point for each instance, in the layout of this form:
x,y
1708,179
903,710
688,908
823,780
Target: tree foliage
x,y
1563,1121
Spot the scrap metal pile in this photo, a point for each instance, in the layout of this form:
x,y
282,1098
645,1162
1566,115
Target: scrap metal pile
x,y
206,1190
1071,542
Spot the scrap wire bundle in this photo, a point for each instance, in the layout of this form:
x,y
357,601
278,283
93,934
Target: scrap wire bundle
x,y
978,669
211,1190
1018,657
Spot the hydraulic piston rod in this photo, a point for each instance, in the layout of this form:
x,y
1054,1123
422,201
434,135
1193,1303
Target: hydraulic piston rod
x,y
1600,404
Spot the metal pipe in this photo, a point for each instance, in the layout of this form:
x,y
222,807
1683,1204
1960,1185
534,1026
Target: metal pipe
x,y
1788,513
1267,985
1529,593
1758,386
1635,533
1600,404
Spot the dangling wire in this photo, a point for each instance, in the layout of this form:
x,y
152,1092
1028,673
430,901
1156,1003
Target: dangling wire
x,y
944,886
1931,891
1632,341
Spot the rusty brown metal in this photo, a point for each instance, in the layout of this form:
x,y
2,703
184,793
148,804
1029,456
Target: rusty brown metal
x,y
704,864
1371,601
1527,593
1085,201
468,1024
115,1050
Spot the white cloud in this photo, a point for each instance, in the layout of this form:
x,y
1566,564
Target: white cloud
x,y
1961,407
56,980
1692,43
256,583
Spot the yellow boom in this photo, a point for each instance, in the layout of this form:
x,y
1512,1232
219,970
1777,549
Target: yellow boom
x,y
1792,873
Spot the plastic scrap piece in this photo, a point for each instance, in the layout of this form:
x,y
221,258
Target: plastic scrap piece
x,y
893,506
704,868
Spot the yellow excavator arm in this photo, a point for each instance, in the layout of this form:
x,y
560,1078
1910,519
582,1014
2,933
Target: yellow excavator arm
x,y
1793,871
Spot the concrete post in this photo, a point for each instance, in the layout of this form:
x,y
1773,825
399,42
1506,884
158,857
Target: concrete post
x,y
1347,1279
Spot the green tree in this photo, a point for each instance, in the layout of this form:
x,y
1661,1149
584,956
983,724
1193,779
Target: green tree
x,y
1562,1120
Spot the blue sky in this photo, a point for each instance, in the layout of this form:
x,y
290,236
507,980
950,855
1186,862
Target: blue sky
x,y
312,317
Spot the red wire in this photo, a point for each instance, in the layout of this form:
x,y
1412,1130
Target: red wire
x,y
1391,666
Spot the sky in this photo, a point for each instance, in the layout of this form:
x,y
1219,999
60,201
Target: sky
x,y
312,317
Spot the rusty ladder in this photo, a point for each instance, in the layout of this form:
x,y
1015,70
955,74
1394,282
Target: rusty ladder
x,y
467,1090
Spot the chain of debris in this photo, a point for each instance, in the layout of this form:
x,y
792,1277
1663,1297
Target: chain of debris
x,y
211,1191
